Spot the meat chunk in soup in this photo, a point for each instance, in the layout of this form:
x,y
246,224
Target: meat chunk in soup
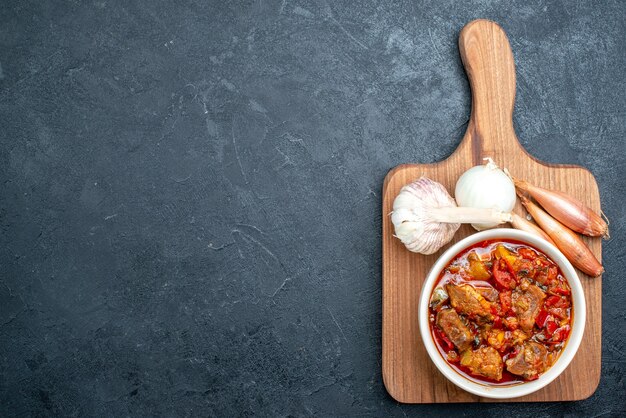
x,y
530,361
465,299
488,292
527,304
451,324
485,361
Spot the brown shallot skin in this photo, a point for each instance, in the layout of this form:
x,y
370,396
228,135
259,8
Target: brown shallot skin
x,y
569,211
522,224
565,239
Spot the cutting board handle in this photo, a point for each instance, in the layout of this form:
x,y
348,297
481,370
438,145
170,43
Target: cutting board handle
x,y
489,64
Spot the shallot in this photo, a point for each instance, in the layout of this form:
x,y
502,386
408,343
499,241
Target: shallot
x,y
569,211
565,239
520,223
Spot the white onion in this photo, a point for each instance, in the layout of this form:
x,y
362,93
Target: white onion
x,y
485,186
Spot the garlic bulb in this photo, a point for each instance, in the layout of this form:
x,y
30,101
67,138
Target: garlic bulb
x,y
425,217
412,220
485,186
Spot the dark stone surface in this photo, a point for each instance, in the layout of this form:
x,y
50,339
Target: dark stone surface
x,y
190,203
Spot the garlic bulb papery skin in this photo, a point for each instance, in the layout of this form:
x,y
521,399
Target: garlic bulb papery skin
x,y
412,216
485,186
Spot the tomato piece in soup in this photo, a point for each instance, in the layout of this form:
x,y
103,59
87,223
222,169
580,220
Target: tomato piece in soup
x,y
503,278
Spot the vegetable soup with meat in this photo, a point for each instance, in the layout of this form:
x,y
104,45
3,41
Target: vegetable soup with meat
x,y
501,312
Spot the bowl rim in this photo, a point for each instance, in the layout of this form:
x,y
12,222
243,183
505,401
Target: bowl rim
x,y
575,337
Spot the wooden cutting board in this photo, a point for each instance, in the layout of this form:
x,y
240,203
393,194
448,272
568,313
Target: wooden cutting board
x,y
408,373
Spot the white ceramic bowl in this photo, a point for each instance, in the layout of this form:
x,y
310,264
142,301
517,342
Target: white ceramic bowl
x,y
578,320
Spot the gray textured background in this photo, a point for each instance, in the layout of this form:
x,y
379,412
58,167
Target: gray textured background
x,y
190,202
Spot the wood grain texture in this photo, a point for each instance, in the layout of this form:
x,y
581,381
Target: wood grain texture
x,y
408,373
